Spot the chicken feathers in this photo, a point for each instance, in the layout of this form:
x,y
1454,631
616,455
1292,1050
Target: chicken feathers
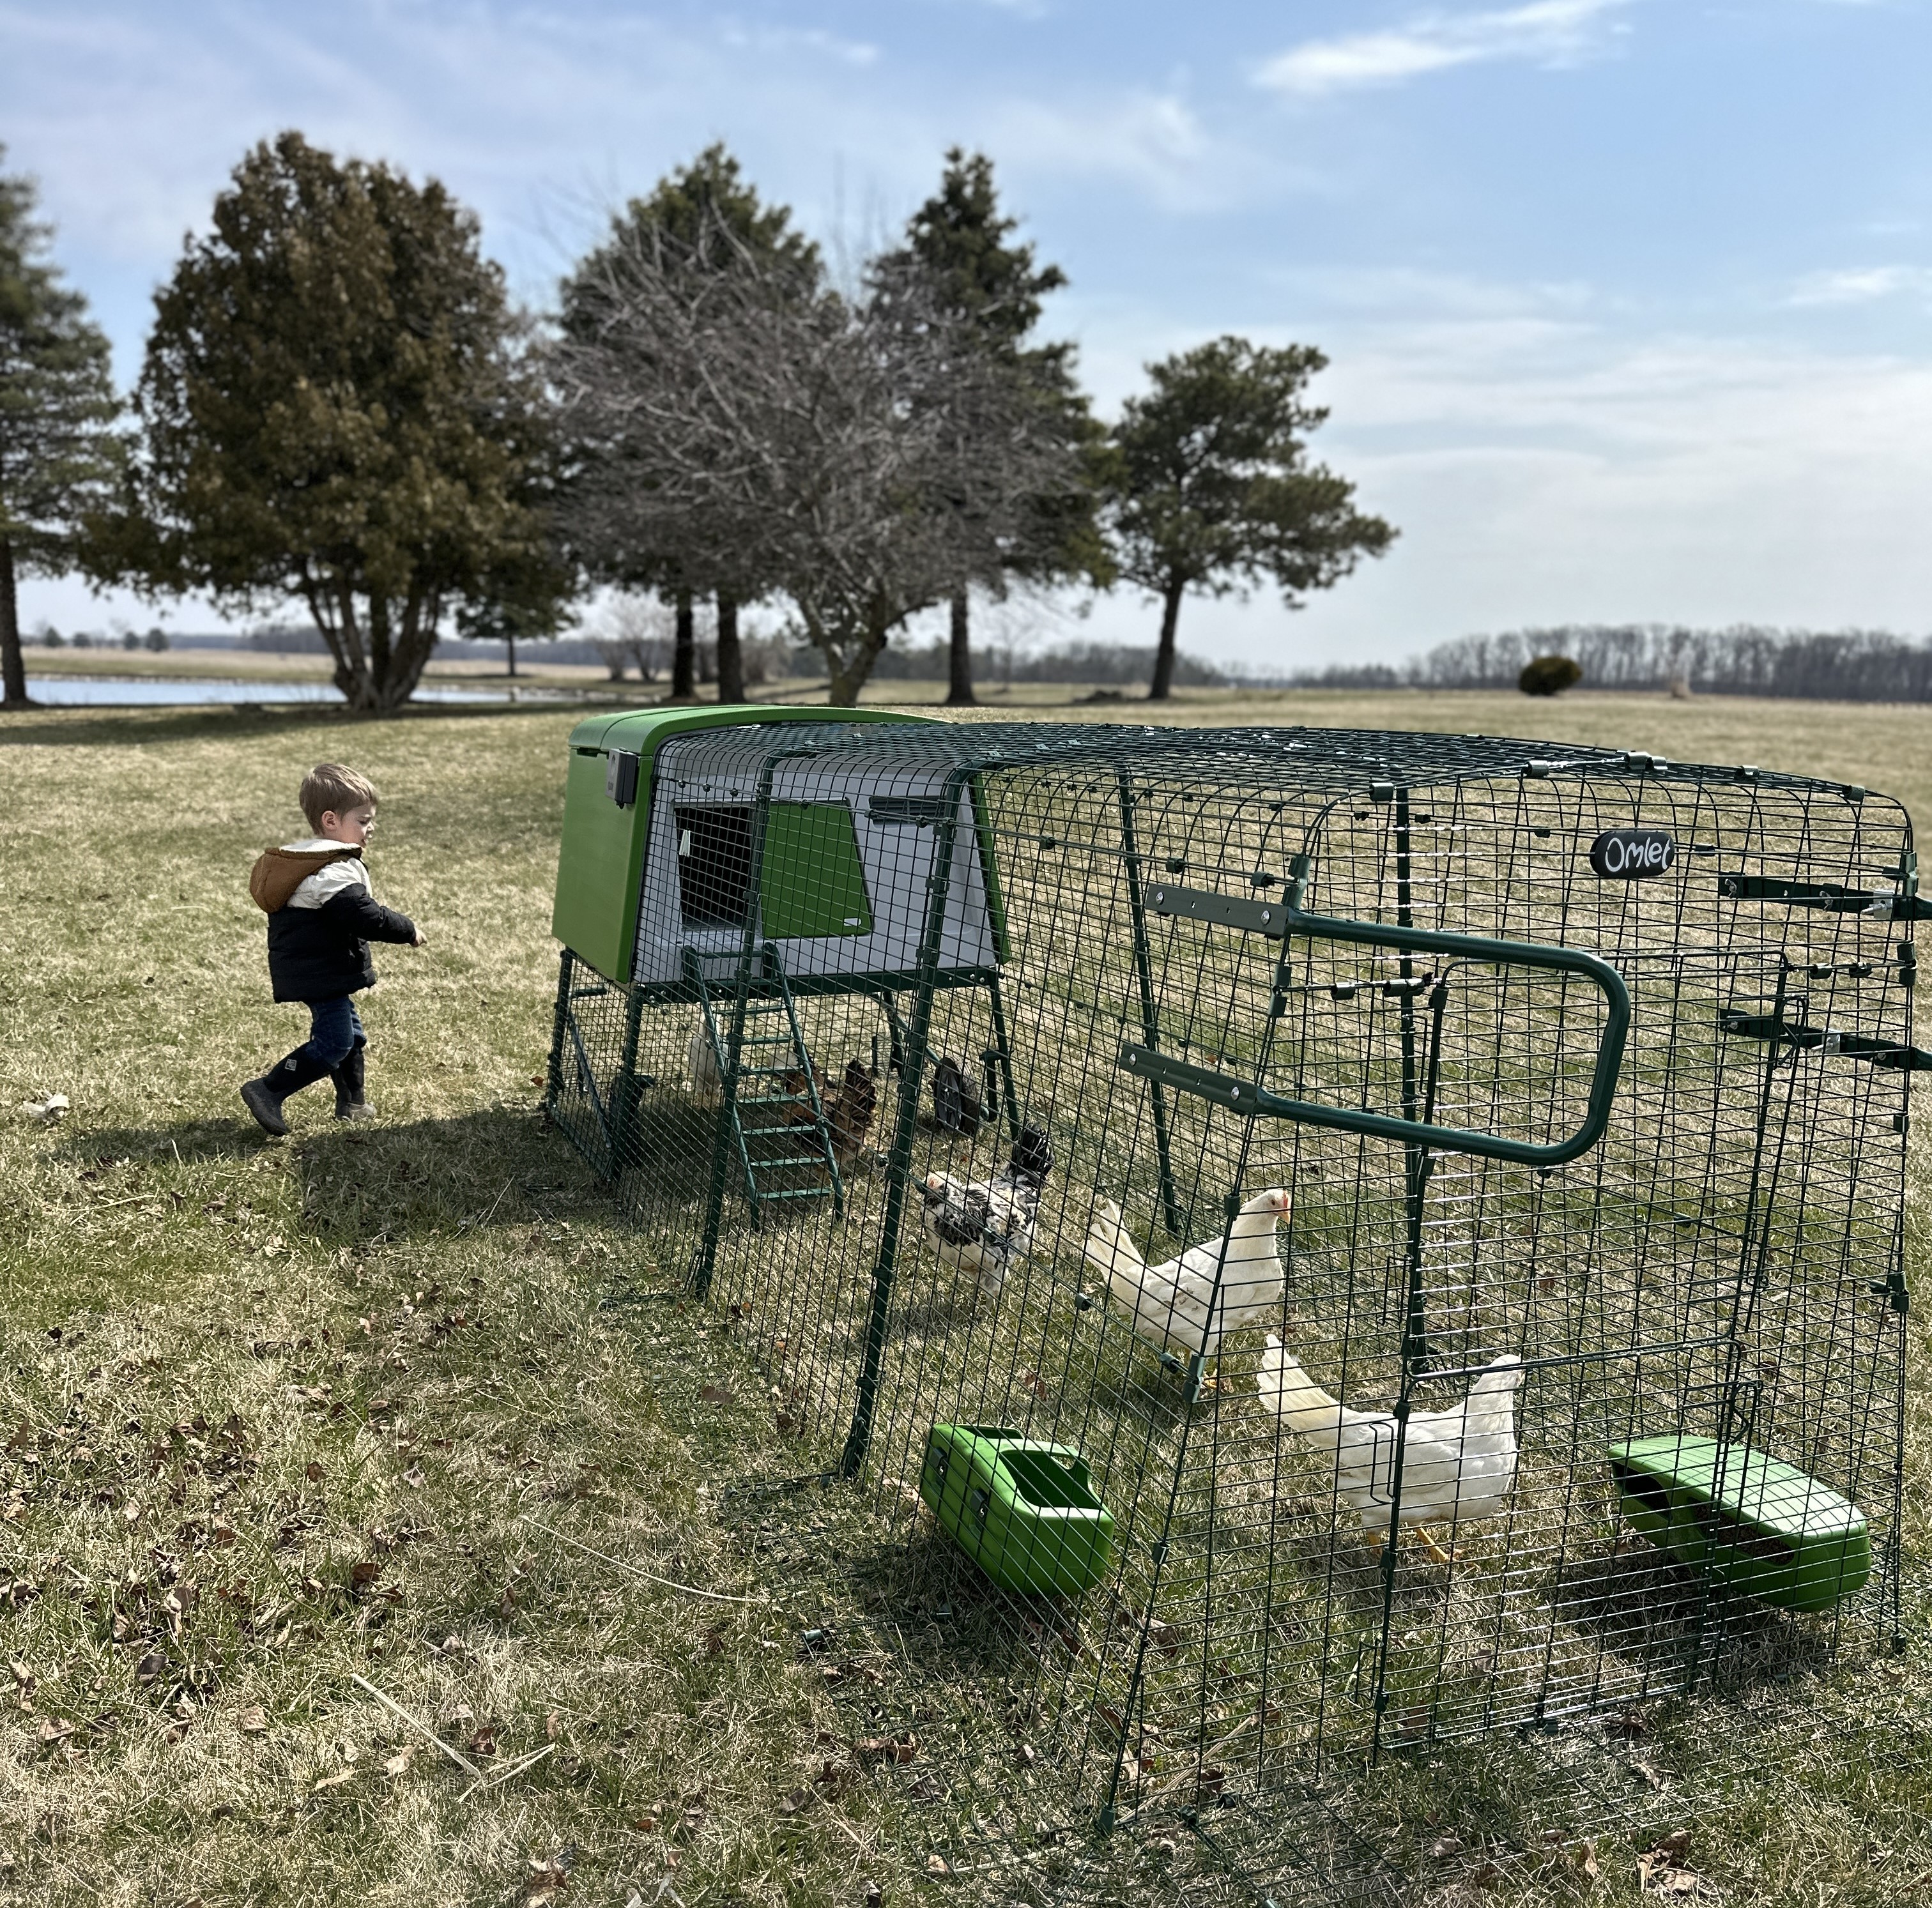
x,y
1170,1303
986,1227
1456,1464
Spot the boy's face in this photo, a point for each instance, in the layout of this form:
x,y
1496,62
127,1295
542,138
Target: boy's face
x,y
351,828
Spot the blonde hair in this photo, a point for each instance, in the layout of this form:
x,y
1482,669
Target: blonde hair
x,y
329,786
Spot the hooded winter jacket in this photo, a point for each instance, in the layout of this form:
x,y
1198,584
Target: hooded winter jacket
x,y
322,918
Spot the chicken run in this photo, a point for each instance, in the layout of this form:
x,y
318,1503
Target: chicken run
x,y
1291,1246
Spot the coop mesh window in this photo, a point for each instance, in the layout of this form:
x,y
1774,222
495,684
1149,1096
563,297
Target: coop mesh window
x,y
1453,1441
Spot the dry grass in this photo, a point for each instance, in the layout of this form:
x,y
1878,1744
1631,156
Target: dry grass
x,y
285,1415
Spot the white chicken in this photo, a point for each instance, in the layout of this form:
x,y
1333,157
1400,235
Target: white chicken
x,y
1456,1464
707,1083
1170,1303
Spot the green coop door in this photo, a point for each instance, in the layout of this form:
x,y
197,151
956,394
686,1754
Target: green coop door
x,y
814,884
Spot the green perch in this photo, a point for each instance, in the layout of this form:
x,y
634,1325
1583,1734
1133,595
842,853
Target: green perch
x,y
1024,1511
1765,1528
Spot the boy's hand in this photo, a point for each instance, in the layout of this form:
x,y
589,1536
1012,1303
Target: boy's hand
x,y
419,941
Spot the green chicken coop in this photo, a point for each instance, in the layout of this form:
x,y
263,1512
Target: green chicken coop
x,y
726,875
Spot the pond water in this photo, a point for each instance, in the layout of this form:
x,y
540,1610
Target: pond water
x,y
111,691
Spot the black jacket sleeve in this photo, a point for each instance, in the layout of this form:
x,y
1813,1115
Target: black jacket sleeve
x,y
356,912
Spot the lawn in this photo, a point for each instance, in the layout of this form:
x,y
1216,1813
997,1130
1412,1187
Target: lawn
x,y
294,1427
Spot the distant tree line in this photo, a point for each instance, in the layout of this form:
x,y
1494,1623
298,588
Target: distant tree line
x,y
339,408
1103,665
1745,660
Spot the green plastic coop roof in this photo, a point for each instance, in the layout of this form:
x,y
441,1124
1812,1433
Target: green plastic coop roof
x,y
601,863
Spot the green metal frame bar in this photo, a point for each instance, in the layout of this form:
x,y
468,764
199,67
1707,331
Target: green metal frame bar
x,y
1001,1051
1248,1096
898,1166
706,1263
1130,855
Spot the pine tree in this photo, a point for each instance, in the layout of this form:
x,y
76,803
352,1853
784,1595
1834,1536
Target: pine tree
x,y
336,407
1209,489
59,452
965,241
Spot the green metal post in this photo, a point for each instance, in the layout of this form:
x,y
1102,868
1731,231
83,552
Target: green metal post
x,y
1001,1052
1130,854
553,1089
706,1263
1415,1157
624,1094
898,1166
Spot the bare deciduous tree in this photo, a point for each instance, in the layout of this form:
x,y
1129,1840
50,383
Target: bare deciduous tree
x,y
858,454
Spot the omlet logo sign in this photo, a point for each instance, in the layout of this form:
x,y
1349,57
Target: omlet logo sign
x,y
1629,854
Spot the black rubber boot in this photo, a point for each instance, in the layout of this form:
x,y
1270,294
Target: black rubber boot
x,y
349,1103
289,1075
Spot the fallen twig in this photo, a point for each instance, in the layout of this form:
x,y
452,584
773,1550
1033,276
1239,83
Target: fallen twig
x,y
461,1761
617,1563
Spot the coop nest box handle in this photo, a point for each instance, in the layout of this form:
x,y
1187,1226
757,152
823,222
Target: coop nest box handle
x,y
1281,922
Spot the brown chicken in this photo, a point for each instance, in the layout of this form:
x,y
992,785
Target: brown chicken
x,y
849,1107
849,1111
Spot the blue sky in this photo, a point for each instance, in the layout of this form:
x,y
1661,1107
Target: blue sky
x,y
1627,301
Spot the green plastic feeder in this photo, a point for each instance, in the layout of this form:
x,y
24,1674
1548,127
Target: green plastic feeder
x,y
1024,1511
1762,1527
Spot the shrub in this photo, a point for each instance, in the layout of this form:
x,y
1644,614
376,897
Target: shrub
x,y
1548,676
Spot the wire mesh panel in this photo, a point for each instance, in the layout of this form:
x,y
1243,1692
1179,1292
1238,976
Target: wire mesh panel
x,y
1308,1243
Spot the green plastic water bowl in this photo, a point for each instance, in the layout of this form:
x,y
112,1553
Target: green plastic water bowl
x,y
1024,1511
1763,1527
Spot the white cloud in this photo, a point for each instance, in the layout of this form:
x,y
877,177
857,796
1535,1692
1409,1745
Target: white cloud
x,y
1551,32
1865,287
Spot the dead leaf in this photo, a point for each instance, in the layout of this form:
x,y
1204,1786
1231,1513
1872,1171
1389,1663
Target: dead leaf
x,y
1212,1781
553,1726
935,1865
399,1763
364,1574
335,1781
837,1779
53,1731
1444,1846
253,1719
150,1666
1586,1862
1664,1870
901,1749
484,1742
799,1799
315,1473
1649,1771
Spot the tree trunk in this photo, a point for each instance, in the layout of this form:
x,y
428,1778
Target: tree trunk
x,y
960,692
12,665
684,651
730,658
1163,660
850,678
510,643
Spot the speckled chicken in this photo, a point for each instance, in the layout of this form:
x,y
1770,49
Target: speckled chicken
x,y
1456,1464
1170,1303
986,1226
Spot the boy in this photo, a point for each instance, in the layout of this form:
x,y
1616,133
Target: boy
x,y
322,918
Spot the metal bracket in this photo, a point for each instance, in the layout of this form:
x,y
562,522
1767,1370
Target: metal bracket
x,y
1888,1054
1266,917
1831,896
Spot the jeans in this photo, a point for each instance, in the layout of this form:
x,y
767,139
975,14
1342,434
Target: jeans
x,y
334,1031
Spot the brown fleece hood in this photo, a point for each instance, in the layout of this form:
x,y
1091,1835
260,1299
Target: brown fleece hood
x,y
279,872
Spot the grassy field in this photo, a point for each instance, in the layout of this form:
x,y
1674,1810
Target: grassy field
x,y
287,1424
